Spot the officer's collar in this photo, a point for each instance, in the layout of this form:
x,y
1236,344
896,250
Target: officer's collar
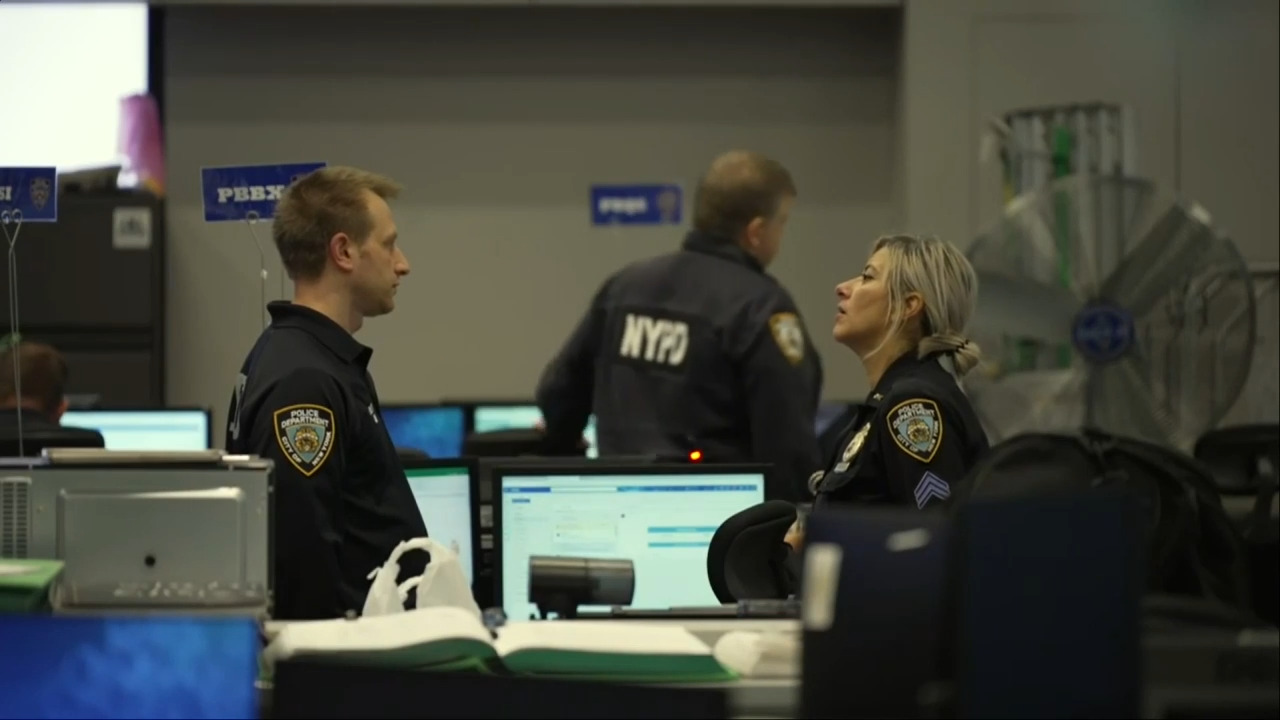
x,y
698,241
334,336
904,365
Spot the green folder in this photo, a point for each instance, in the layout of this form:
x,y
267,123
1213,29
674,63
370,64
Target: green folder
x,y
621,667
24,584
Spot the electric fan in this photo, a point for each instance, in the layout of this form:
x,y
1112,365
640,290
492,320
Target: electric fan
x,y
1081,324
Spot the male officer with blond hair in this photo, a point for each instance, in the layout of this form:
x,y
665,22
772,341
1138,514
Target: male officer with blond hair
x,y
305,399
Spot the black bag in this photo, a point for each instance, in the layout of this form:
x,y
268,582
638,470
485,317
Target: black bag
x,y
1193,547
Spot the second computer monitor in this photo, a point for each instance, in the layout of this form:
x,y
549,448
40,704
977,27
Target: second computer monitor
x,y
829,414
172,429
445,491
493,417
437,430
661,517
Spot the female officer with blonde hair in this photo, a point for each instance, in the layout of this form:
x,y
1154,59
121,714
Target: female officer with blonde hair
x,y
917,436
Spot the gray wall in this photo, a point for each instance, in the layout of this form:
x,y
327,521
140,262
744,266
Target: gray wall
x,y
497,121
1203,83
1201,76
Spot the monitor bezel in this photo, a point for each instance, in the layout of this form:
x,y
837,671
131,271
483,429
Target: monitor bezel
x,y
208,415
473,501
598,467
422,405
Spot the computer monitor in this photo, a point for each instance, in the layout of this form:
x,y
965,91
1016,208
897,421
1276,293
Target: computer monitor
x,y
661,517
491,417
174,429
437,430
190,531
873,577
828,414
1049,625
830,423
128,666
447,498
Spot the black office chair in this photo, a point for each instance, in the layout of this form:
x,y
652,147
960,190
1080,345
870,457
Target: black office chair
x,y
1245,462
35,441
747,558
1237,456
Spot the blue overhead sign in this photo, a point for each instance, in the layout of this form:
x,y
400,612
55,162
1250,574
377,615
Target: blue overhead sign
x,y
248,191
660,204
29,194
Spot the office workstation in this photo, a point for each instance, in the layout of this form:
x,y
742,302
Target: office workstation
x,y
589,542
606,360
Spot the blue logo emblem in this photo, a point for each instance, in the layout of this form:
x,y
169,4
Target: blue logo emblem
x,y
28,194
1102,333
931,487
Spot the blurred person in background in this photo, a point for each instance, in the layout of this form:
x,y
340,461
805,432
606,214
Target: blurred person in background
x,y
699,349
41,376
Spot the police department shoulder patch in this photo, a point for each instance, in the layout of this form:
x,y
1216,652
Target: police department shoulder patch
x,y
916,426
305,434
789,335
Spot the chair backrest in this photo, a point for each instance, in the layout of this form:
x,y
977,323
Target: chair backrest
x,y
34,441
746,558
1238,455
1245,462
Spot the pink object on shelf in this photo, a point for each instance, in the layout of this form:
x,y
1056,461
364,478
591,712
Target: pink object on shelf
x,y
141,142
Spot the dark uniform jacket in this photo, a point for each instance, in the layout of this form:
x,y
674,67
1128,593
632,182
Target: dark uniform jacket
x,y
912,443
698,349
304,399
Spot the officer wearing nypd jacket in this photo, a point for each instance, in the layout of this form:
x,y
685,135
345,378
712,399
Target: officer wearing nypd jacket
x,y
917,436
304,398
700,349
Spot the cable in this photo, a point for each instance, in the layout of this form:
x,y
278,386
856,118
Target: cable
x,y
251,220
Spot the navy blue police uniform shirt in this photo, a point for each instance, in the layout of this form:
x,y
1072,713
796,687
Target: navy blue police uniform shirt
x,y
912,442
304,398
699,349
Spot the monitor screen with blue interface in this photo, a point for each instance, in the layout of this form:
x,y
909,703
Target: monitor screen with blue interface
x,y
128,667
444,499
437,430
490,418
659,518
158,429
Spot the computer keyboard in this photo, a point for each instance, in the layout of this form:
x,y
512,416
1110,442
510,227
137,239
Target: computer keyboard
x,y
165,594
